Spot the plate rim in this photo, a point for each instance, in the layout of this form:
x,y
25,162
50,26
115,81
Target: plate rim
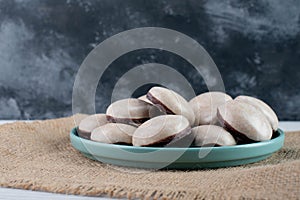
x,y
188,157
280,137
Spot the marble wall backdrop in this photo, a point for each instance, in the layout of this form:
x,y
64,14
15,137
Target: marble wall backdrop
x,y
255,44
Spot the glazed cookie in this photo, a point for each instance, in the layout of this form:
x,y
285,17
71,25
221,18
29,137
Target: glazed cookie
x,y
205,107
171,102
113,133
161,130
88,124
211,135
244,121
129,111
263,107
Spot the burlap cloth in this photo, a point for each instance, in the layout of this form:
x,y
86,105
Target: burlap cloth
x,y
39,156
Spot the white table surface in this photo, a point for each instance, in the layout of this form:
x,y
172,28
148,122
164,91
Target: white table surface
x,y
16,194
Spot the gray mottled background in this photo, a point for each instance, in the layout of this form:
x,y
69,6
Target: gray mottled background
x,y
255,44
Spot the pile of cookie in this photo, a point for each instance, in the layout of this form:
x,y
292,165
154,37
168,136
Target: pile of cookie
x,y
162,117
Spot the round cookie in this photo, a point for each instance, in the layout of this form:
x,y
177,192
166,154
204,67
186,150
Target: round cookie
x,y
205,107
211,135
171,102
244,121
129,111
113,133
161,130
88,124
263,107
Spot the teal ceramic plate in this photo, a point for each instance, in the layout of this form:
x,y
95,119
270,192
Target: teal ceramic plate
x,y
177,158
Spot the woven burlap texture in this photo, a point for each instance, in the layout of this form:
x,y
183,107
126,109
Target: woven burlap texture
x,y
39,156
